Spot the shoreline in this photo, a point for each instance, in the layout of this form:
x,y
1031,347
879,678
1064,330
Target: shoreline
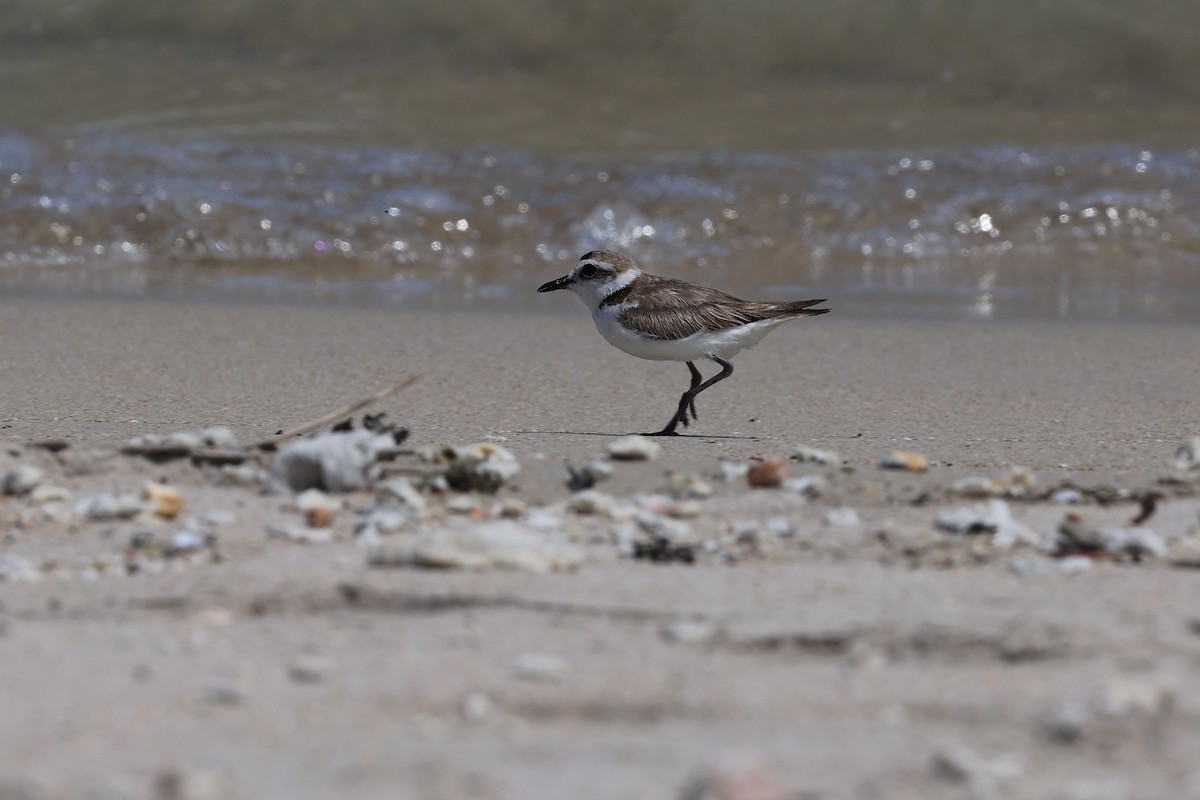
x,y
826,642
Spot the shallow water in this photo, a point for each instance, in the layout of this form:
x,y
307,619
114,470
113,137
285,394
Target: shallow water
x,y
935,158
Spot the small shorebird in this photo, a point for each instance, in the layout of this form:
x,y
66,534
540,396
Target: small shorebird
x,y
663,319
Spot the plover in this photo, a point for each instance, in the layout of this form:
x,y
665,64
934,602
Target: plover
x,y
663,319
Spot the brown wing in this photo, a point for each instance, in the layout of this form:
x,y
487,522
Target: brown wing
x,y
680,309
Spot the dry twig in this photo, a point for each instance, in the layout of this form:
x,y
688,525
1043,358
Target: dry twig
x,y
270,442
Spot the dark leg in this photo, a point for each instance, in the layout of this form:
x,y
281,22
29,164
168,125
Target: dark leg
x,y
688,400
696,378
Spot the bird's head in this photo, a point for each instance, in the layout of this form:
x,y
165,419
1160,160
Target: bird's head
x,y
597,275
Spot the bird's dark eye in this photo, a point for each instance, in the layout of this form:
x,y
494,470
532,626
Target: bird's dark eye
x,y
588,272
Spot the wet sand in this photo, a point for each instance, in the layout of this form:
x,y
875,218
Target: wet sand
x,y
841,663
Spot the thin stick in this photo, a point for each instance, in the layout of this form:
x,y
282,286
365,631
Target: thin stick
x,y
270,442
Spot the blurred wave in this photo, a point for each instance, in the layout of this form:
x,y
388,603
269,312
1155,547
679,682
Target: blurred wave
x,y
985,230
1041,48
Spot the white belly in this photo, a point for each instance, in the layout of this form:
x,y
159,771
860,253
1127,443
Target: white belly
x,y
726,343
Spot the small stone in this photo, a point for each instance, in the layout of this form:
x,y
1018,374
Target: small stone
x,y
511,508
466,506
733,471
476,706
309,669
812,455
634,448
780,526
186,440
318,508
985,776
45,493
688,485
1187,455
20,480
475,546
401,492
543,667
218,437
841,518
18,569
590,501
302,534
587,476
1067,496
482,467
241,475
977,486
108,507
381,522
812,486
992,517
166,501
770,473
333,462
904,460
690,631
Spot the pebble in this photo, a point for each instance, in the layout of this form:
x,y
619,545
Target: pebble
x,y
21,479
587,476
465,505
688,485
1067,497
106,506
812,455
1187,455
690,631
542,667
992,517
18,569
1015,482
219,437
540,519
249,475
476,706
381,522
510,508
841,518
482,467
166,501
1075,532
1118,700
591,501
812,486
46,493
303,534
770,473
477,546
333,462
985,776
401,492
780,526
317,507
733,471
634,448
904,460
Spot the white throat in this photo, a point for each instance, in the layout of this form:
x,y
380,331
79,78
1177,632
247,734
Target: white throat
x,y
593,294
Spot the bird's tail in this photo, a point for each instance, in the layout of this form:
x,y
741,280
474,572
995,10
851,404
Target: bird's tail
x,y
802,308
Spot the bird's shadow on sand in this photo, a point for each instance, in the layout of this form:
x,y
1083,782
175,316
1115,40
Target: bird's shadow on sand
x,y
611,434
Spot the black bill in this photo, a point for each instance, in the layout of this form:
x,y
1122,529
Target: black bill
x,y
557,283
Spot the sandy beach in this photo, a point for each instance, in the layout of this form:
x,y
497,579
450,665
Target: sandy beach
x,y
822,657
